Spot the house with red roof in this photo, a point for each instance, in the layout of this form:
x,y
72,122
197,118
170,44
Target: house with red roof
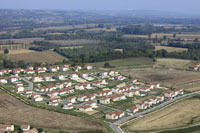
x,y
86,108
93,104
3,81
105,100
64,68
53,68
6,128
133,109
113,115
67,105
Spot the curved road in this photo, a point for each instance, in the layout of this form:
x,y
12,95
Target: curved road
x,y
115,125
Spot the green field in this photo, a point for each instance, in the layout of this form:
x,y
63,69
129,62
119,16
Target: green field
x,y
127,62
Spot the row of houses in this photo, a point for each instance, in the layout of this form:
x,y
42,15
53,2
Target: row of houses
x,y
196,67
11,79
42,69
11,128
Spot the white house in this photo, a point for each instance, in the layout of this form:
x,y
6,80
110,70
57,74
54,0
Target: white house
x,y
93,104
79,87
13,79
88,67
53,68
133,109
3,81
103,74
47,77
37,79
6,128
60,77
113,115
85,108
71,99
73,75
36,97
64,68
19,89
67,105
105,100
25,127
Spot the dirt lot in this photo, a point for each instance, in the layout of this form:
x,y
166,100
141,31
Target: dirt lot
x,y
181,114
45,56
166,77
16,112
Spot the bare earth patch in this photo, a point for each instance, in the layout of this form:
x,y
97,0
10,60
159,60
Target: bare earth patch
x,y
166,77
181,114
14,111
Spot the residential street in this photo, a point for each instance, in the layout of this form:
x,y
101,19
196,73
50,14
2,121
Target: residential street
x,y
115,125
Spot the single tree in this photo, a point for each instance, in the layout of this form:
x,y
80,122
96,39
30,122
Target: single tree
x,y
6,51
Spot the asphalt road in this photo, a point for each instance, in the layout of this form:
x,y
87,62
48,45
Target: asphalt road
x,y
115,125
30,84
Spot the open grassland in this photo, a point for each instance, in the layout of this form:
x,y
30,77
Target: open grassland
x,y
127,62
171,49
22,40
63,27
33,56
173,63
166,77
74,42
179,115
15,112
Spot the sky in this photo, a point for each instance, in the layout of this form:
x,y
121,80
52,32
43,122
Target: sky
x,y
181,6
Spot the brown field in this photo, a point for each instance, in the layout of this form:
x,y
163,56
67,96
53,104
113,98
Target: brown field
x,y
171,49
63,27
74,42
181,114
167,77
14,111
45,56
173,63
22,51
22,40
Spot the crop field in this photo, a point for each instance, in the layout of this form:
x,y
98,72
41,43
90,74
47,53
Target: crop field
x,y
33,56
166,77
100,29
74,42
127,62
15,112
22,40
63,27
173,63
171,49
179,115
160,35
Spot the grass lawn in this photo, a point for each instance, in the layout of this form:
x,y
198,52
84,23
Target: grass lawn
x,y
127,62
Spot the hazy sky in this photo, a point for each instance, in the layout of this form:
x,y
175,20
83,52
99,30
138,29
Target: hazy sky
x,y
185,6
